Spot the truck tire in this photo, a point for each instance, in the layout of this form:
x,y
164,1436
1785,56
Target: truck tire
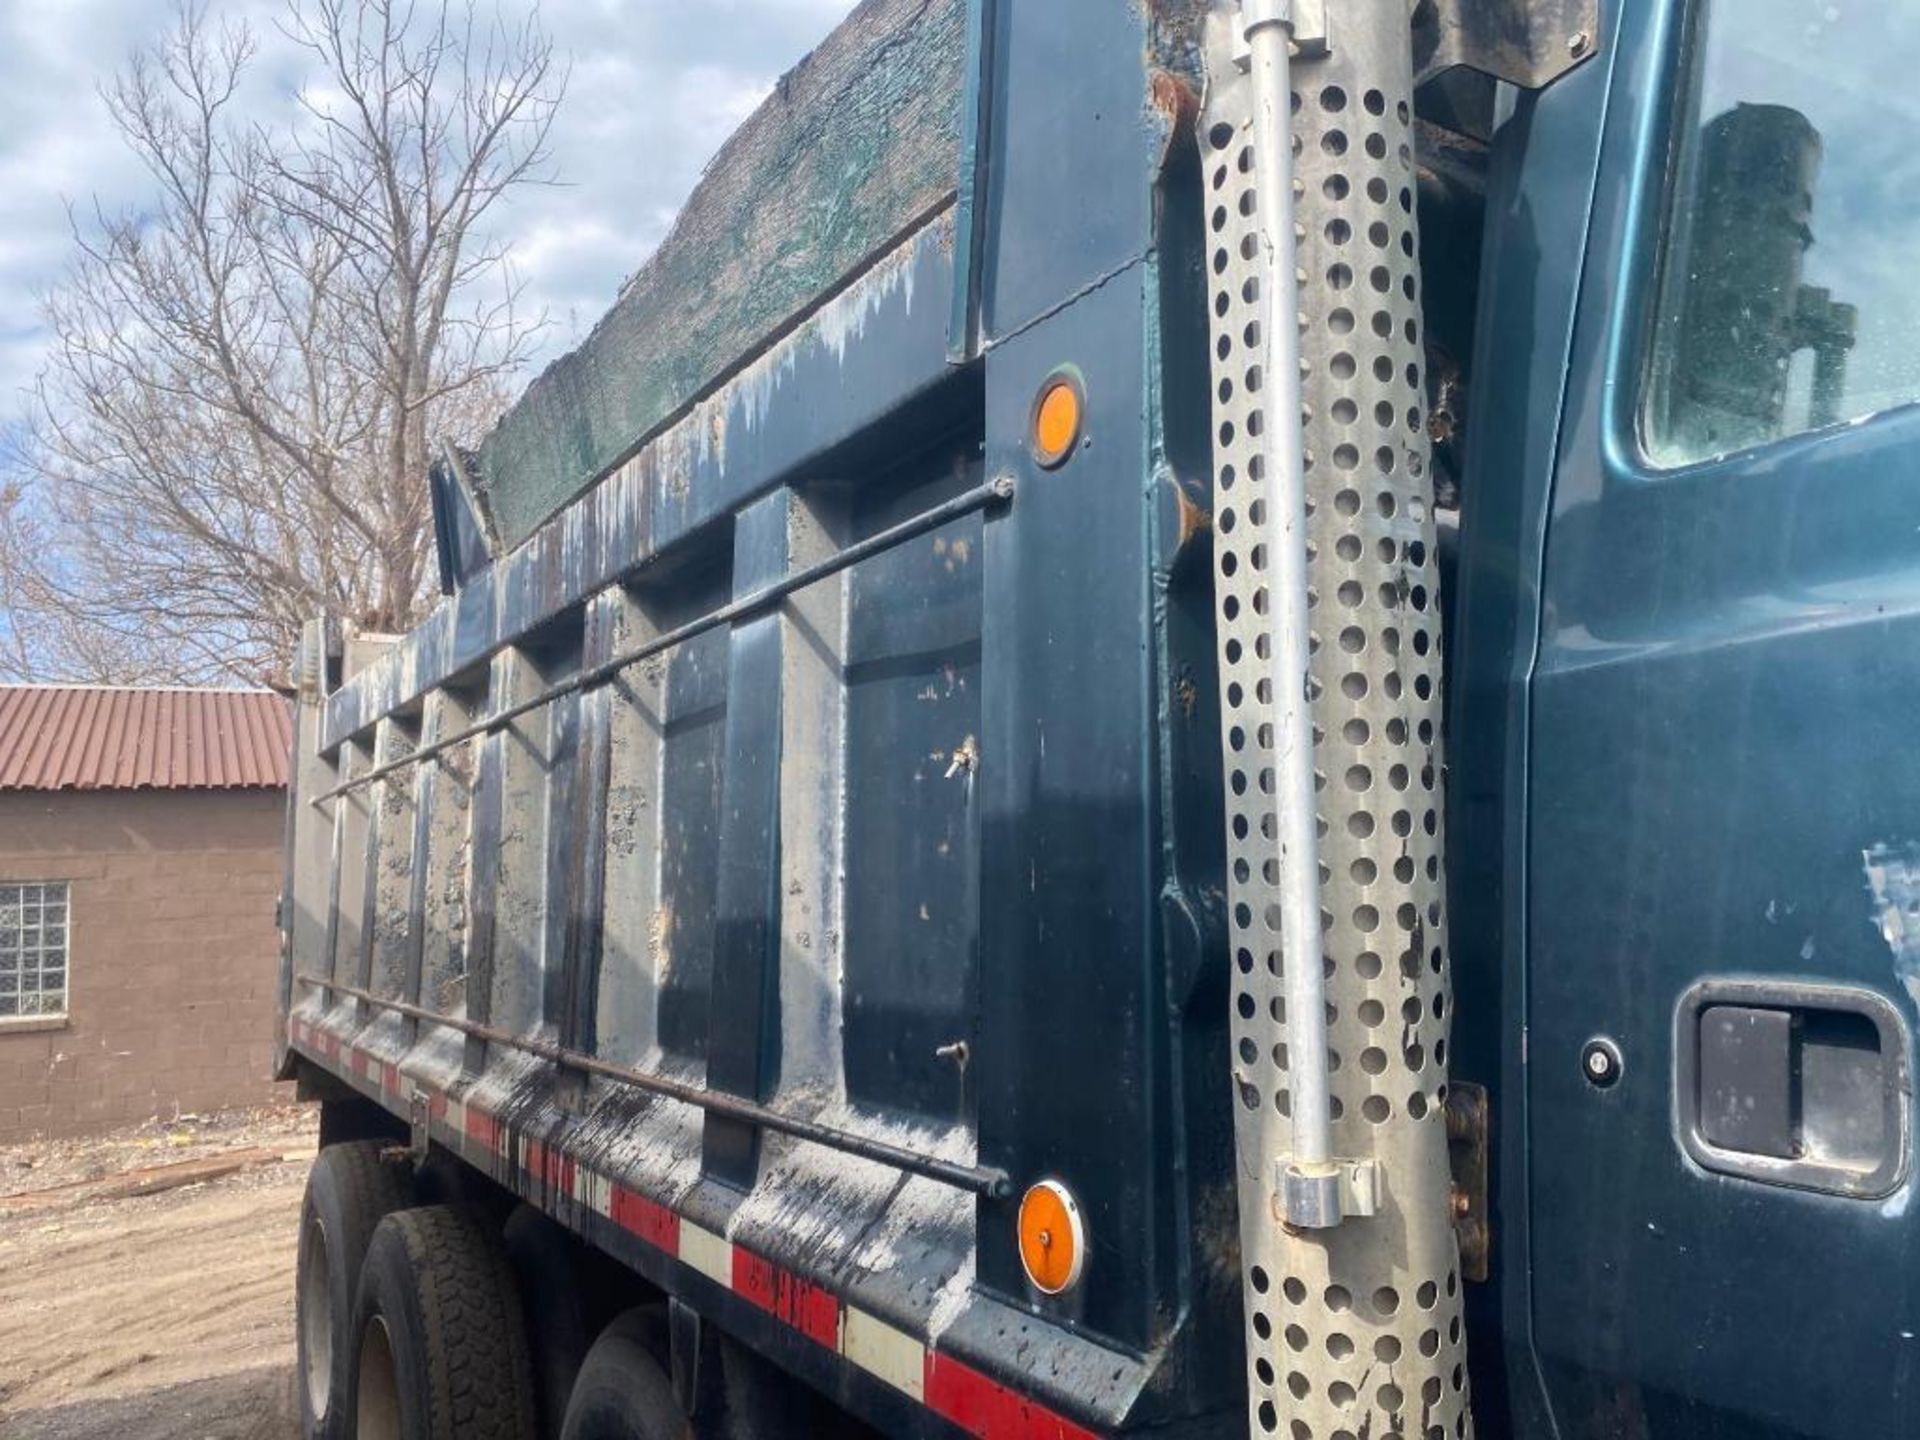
x,y
622,1393
556,1310
350,1190
440,1346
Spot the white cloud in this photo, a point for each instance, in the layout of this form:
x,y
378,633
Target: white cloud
x,y
655,87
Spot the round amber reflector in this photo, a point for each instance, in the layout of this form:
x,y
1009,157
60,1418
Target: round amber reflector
x,y
1053,1243
1056,420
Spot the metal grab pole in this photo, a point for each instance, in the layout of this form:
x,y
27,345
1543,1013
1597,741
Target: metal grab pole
x,y
1312,1190
989,1181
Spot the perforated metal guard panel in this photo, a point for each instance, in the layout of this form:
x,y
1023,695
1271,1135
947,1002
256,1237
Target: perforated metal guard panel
x,y
1353,1331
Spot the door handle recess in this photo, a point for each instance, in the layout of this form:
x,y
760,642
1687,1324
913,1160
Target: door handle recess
x,y
1802,1085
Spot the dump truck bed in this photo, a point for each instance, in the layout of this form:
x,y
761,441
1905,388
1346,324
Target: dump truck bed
x,y
799,830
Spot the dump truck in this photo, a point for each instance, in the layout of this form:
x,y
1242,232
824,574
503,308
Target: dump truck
x,y
1196,721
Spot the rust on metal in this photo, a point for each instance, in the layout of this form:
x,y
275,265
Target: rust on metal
x,y
1468,1125
1174,98
79,737
1196,520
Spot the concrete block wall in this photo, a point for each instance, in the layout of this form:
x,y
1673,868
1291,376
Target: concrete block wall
x,y
172,956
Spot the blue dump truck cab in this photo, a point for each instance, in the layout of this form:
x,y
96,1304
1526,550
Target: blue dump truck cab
x,y
1196,721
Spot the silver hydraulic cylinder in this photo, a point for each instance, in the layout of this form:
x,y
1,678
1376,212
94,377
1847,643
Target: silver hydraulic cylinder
x,y
1330,680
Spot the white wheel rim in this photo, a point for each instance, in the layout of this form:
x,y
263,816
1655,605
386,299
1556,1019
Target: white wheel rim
x,y
377,1403
316,1317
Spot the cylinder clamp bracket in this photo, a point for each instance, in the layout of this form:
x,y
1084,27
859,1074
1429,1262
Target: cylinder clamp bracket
x,y
1305,21
1319,1197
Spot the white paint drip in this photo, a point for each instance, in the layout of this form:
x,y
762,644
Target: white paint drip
x,y
951,1301
833,327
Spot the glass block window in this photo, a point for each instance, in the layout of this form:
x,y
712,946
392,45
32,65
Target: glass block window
x,y
33,948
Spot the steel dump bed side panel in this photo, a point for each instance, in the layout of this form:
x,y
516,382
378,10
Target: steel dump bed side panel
x,y
778,957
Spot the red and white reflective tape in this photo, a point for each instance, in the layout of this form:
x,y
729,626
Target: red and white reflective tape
x,y
949,1387
324,1044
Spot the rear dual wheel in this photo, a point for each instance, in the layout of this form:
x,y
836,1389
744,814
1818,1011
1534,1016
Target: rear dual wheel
x,y
411,1324
350,1189
442,1350
440,1344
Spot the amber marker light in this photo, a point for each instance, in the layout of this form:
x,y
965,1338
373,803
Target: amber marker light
x,y
1053,1241
1059,412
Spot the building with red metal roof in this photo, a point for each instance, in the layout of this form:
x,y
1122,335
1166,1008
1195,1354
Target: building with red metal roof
x,y
97,737
140,834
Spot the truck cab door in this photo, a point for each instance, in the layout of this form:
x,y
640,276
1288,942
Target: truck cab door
x,y
1722,904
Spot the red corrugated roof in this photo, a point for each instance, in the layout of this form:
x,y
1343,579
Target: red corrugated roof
x,y
80,737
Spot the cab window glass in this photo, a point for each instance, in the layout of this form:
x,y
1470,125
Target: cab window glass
x,y
1789,292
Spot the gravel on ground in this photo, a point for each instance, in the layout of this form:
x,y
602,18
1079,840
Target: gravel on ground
x,y
167,1316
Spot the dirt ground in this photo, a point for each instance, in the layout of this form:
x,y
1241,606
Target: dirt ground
x,y
164,1317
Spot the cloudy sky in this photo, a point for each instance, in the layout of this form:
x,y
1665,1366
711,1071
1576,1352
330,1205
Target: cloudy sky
x,y
655,86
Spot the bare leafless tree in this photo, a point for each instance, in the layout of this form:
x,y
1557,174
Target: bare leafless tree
x,y
41,633
233,428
